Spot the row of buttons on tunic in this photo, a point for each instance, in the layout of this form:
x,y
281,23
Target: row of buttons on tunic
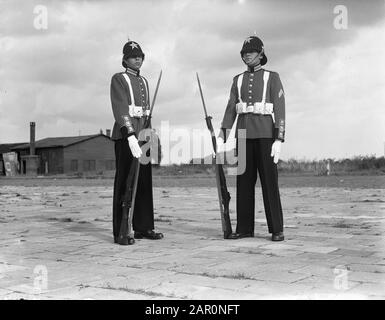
x,y
250,85
142,90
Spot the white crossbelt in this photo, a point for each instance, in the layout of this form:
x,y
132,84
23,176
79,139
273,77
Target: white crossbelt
x,y
133,110
263,107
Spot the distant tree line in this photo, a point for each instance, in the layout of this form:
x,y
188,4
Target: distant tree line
x,y
354,165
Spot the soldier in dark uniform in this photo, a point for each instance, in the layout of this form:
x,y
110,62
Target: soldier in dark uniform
x,y
257,97
130,104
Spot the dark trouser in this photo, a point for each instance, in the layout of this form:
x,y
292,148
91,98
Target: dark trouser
x,y
143,218
258,159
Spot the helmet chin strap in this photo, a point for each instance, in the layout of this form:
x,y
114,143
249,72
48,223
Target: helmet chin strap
x,y
133,67
252,63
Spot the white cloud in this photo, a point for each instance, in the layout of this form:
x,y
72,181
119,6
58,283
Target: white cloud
x,y
60,77
335,100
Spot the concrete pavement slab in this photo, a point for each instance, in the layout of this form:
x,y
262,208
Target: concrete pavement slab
x,y
67,229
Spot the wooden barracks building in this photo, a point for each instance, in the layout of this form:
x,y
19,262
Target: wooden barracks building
x,y
68,155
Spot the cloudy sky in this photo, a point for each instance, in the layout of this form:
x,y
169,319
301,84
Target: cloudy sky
x,y
332,69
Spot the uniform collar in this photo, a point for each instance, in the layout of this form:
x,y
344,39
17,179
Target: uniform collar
x,y
254,69
132,71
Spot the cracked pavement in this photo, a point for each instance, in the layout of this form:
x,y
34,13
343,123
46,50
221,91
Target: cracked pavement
x,y
56,243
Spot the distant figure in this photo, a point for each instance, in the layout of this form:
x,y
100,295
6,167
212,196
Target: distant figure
x,y
328,167
257,97
130,103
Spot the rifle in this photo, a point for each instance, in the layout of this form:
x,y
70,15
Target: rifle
x,y
128,199
223,193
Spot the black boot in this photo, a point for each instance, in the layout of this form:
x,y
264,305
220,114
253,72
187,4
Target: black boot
x,y
278,236
149,234
235,236
124,240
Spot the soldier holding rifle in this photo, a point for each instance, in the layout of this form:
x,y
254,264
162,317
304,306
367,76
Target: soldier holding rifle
x,y
131,105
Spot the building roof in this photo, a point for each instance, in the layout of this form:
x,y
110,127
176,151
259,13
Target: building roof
x,y
7,147
58,141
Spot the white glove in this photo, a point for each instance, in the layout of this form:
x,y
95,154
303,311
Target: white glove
x,y
276,150
134,146
220,145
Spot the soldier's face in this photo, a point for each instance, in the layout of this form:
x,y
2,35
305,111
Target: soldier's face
x,y
252,58
135,63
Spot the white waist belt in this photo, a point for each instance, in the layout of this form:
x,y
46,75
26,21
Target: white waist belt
x,y
137,111
263,107
257,108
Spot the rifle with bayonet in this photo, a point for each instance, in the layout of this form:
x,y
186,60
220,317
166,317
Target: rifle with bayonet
x,y
128,199
223,193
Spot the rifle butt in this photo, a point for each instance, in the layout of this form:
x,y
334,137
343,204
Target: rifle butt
x,y
227,223
224,200
123,232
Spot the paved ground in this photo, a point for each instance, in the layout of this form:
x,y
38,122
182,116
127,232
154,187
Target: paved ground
x,y
56,243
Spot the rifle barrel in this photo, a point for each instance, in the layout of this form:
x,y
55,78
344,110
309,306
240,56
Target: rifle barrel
x,y
203,100
155,93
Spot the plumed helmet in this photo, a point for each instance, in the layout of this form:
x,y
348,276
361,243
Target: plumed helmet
x,y
131,49
254,44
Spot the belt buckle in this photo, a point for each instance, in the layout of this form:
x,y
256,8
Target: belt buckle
x,y
138,111
257,108
264,110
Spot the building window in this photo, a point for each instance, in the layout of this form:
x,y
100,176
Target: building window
x,y
110,164
89,165
74,165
